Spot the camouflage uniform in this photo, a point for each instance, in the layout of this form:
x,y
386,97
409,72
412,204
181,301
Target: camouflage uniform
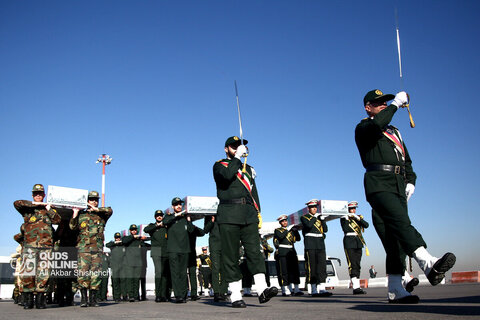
x,y
38,238
90,225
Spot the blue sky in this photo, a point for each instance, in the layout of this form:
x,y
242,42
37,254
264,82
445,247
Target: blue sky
x,y
151,84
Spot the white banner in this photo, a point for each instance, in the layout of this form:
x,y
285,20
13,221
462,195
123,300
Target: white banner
x,y
67,197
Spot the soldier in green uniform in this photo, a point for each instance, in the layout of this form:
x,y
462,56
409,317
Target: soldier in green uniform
x,y
178,247
117,261
192,261
103,289
389,182
206,270
219,285
133,261
353,226
314,228
38,218
90,224
158,236
238,216
266,251
284,239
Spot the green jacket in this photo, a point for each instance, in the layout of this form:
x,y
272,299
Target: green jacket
x,y
214,241
229,187
375,148
133,251
284,237
158,237
178,229
352,242
117,253
192,257
313,225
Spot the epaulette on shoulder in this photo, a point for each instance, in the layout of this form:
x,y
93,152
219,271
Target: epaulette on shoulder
x,y
280,229
307,217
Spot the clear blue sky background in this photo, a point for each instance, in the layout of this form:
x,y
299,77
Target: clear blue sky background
x,y
151,84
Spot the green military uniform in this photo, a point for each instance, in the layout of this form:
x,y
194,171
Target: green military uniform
x,y
178,248
388,170
103,289
158,237
38,239
133,263
352,243
313,230
237,218
192,261
266,251
206,269
284,240
90,225
117,265
219,285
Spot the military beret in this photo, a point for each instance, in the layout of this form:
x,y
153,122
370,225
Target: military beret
x,y
377,96
234,140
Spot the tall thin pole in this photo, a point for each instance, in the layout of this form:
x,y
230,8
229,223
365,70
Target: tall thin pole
x,y
104,159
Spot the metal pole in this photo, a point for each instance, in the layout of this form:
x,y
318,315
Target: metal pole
x,y
104,159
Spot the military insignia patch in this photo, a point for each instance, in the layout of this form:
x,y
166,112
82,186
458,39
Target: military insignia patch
x,y
378,92
32,219
83,225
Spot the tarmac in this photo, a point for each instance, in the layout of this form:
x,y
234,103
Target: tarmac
x,y
451,301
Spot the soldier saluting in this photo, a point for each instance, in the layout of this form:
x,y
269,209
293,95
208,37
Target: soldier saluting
x,y
352,226
90,224
389,183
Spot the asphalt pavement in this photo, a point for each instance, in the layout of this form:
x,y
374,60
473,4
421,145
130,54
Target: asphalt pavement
x,y
452,301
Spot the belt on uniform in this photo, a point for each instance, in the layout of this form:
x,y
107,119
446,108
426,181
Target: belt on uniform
x,y
289,246
387,168
354,234
205,266
315,235
237,201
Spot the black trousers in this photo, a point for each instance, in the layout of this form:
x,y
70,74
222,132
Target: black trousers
x,y
288,269
354,256
392,223
315,266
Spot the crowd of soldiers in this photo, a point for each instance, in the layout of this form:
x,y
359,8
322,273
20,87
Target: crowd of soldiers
x,y
238,253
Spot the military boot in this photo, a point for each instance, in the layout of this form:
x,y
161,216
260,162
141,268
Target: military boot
x,y
93,299
40,301
83,301
28,303
21,299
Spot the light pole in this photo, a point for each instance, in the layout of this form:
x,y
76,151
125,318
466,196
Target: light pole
x,y
104,159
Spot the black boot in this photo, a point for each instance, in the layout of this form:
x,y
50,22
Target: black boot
x,y
93,298
84,299
28,303
21,299
49,298
40,302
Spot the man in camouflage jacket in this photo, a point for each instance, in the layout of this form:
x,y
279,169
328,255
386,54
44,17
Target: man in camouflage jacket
x,y
90,224
38,242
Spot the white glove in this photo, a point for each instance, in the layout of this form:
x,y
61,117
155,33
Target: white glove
x,y
254,173
409,189
241,150
401,99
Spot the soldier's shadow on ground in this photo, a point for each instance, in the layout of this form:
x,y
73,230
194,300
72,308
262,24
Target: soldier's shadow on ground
x,y
426,306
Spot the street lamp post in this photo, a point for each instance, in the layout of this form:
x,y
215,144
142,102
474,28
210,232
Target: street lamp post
x,y
104,159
